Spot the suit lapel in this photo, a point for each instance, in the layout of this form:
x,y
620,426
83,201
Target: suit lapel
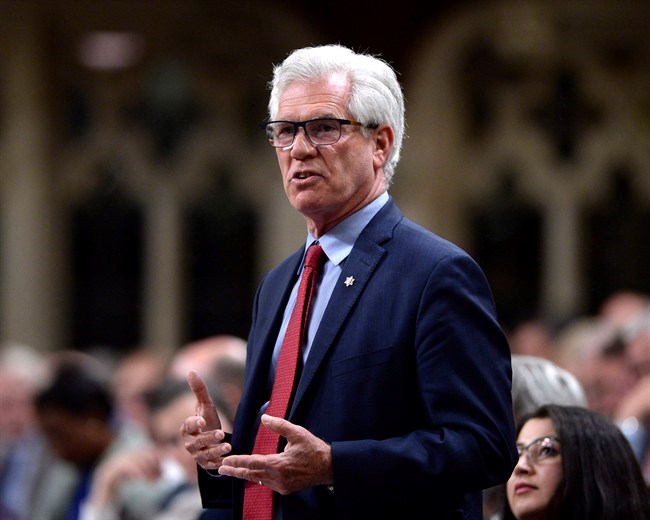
x,y
275,306
268,322
360,265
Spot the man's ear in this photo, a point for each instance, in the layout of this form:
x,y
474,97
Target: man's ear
x,y
383,139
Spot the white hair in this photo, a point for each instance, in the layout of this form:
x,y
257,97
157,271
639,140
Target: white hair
x,y
536,381
376,96
23,361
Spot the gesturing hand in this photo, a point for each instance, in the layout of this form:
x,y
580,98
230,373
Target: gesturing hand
x,y
306,460
202,434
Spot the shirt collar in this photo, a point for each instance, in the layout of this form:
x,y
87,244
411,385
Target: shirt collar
x,y
338,241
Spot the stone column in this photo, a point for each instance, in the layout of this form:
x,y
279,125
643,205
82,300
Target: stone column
x,y
30,309
163,299
562,284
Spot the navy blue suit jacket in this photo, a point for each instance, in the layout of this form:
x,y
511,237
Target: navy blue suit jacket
x,y
408,378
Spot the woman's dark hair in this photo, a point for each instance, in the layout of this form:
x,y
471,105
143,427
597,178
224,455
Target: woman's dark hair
x,y
602,479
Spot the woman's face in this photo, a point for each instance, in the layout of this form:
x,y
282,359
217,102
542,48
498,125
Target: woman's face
x,y
538,473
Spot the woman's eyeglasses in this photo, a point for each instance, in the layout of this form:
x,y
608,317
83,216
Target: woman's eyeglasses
x,y
540,449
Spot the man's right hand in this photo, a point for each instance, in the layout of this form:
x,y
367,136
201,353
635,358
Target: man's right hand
x,y
202,434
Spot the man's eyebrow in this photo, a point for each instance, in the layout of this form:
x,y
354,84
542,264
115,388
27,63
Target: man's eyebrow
x,y
328,115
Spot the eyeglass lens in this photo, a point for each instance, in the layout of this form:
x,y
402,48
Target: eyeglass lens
x,y
540,449
319,131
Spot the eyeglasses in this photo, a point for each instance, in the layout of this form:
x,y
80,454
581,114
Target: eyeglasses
x,y
540,449
321,131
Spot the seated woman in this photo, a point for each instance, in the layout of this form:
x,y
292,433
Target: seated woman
x,y
574,463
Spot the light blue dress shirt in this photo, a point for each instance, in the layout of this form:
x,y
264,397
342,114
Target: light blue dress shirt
x,y
337,244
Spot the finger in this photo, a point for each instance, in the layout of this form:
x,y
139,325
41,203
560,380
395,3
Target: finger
x,y
251,462
193,425
204,406
281,426
262,469
238,461
231,471
202,441
247,467
212,457
243,474
199,388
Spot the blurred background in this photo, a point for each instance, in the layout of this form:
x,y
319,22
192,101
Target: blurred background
x,y
140,203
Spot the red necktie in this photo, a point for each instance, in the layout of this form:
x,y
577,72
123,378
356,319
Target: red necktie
x,y
258,500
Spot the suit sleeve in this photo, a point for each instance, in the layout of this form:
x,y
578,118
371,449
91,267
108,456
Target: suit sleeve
x,y
216,490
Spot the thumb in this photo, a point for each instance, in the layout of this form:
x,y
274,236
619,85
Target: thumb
x,y
280,426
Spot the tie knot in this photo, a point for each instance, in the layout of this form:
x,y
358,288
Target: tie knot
x,y
315,256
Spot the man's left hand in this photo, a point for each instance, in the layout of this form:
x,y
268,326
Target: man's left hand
x,y
305,462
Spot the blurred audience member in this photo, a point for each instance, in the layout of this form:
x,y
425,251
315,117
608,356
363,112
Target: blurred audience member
x,y
201,355
589,348
135,376
75,412
624,307
630,313
532,338
633,417
227,376
535,382
160,483
220,359
162,476
609,353
577,344
612,378
21,445
637,343
574,463
27,470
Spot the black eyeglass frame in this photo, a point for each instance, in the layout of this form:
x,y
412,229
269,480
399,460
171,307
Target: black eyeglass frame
x,y
303,124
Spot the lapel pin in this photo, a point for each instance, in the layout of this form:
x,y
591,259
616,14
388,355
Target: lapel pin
x,y
349,281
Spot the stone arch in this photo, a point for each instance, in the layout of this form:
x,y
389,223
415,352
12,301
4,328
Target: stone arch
x,y
229,50
552,87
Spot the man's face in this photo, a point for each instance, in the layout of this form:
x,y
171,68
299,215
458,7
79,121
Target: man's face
x,y
164,430
16,410
79,440
329,182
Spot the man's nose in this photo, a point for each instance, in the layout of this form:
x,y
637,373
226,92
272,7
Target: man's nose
x,y
301,143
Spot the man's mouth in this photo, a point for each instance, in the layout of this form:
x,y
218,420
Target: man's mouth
x,y
302,175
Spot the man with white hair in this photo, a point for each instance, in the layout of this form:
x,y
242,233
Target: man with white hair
x,y
377,377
